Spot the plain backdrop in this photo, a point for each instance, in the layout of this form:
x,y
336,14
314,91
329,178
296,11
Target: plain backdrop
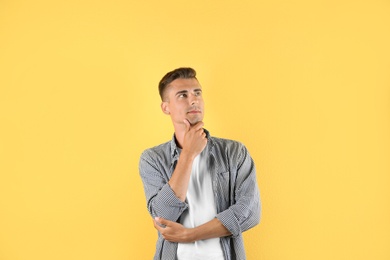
x,y
304,85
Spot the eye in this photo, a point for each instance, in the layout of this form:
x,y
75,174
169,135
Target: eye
x,y
198,93
182,95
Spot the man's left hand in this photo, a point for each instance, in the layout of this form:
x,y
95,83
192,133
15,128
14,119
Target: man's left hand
x,y
172,231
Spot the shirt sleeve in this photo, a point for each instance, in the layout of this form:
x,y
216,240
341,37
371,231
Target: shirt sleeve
x,y
161,200
245,210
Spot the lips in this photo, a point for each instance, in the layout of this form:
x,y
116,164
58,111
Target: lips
x,y
194,112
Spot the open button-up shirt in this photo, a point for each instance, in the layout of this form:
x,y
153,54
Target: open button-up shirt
x,y
235,189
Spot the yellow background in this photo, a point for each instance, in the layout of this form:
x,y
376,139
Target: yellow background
x,y
304,84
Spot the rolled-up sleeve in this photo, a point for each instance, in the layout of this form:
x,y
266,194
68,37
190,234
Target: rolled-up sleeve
x,y
245,209
161,200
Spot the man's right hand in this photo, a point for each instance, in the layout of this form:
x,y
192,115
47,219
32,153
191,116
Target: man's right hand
x,y
194,139
194,142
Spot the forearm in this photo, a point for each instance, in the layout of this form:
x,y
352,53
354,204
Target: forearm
x,y
181,175
165,197
211,229
176,232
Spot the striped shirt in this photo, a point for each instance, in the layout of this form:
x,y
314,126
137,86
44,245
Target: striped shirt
x,y
235,191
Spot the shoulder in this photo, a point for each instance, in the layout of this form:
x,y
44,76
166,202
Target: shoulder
x,y
230,152
157,151
228,145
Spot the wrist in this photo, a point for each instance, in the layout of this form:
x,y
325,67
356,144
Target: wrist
x,y
187,156
191,235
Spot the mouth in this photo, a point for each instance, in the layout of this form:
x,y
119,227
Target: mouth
x,y
194,112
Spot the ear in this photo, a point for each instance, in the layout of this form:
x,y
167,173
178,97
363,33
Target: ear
x,y
165,107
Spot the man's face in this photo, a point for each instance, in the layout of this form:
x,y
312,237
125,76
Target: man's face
x,y
183,100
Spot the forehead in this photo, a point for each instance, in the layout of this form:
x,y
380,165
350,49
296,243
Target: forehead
x,y
183,84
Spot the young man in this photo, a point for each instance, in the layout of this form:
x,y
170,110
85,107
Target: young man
x,y
201,191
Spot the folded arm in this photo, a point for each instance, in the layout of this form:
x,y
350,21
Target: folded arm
x,y
175,232
239,217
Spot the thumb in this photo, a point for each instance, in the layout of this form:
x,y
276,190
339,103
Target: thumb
x,y
161,221
187,123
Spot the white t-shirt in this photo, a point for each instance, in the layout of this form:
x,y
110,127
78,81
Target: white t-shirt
x,y
201,209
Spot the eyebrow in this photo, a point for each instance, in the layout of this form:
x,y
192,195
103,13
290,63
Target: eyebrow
x,y
181,92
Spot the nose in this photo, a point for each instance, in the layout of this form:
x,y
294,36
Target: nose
x,y
193,100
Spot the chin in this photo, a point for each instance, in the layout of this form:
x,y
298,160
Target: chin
x,y
194,121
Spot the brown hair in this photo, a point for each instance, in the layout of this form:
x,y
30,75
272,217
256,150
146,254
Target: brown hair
x,y
180,73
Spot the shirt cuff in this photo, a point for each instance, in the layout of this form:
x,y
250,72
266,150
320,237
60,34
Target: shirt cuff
x,y
168,205
228,219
